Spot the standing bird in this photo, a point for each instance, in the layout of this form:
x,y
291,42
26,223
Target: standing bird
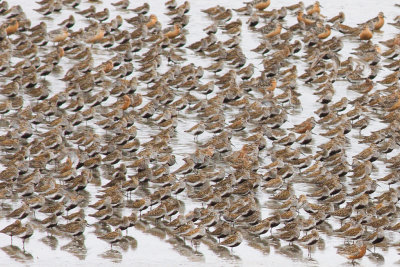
x,y
75,228
353,252
123,4
309,240
197,129
10,229
68,22
23,232
112,237
366,33
233,240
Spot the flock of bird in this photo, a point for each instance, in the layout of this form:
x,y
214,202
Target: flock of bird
x,y
90,118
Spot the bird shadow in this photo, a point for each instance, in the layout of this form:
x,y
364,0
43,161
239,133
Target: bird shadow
x,y
50,241
190,252
132,242
113,255
127,242
291,251
77,248
221,251
261,244
274,242
157,232
16,253
350,263
306,149
376,258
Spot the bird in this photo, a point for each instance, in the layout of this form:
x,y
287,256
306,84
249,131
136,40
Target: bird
x,y
366,33
233,240
46,9
291,235
19,213
260,228
58,35
68,22
143,9
74,229
196,233
10,229
24,232
261,5
309,240
94,111
123,4
353,252
112,237
197,129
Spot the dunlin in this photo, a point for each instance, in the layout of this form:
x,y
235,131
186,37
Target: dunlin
x,y
68,22
112,237
388,210
23,232
123,4
50,221
196,233
9,229
376,237
343,213
233,240
19,213
57,209
184,228
309,240
339,17
46,9
76,216
354,232
284,194
103,214
157,213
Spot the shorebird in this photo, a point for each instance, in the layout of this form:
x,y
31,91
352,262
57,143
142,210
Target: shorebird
x,y
290,235
343,213
143,9
68,22
309,240
123,4
46,9
376,237
10,229
103,214
339,17
366,33
261,5
112,237
233,240
353,252
19,213
74,229
195,234
157,213
24,232
76,216
58,35
354,233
